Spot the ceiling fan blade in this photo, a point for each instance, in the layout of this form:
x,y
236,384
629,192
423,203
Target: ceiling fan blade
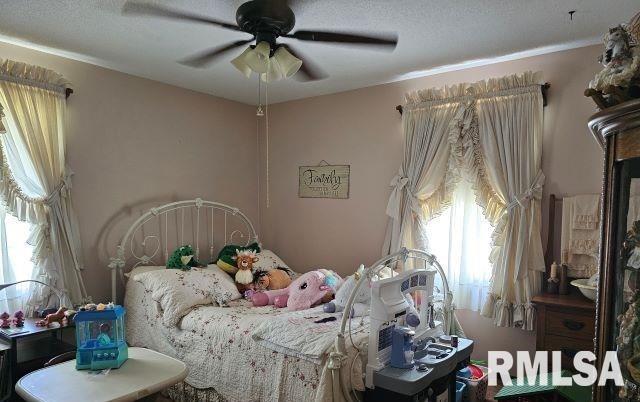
x,y
387,40
207,57
309,71
136,8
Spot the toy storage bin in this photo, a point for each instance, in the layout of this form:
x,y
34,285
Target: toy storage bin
x,y
476,389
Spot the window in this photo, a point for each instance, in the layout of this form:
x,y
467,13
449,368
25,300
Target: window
x,y
460,238
16,262
16,254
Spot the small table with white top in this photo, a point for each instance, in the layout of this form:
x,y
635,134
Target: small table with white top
x,y
144,373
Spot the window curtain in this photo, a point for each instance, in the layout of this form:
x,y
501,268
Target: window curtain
x,y
460,238
490,132
511,142
35,182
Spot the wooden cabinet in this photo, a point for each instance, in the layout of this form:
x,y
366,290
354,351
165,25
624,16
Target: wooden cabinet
x,y
617,129
565,323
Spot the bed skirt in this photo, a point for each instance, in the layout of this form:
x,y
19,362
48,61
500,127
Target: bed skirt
x,y
183,392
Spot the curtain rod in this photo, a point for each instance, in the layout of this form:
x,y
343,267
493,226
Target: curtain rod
x,y
543,88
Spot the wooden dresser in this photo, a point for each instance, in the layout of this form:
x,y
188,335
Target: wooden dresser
x,y
565,323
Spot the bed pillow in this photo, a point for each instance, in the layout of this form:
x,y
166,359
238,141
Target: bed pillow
x,y
142,269
227,282
177,292
268,260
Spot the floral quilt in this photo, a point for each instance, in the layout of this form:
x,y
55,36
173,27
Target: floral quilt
x,y
217,346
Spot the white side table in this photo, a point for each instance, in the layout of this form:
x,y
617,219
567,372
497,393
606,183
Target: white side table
x,y
144,373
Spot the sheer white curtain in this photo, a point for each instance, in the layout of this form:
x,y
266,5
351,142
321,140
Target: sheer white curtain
x,y
35,182
460,238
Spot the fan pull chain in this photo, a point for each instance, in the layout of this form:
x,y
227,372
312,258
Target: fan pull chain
x,y
266,107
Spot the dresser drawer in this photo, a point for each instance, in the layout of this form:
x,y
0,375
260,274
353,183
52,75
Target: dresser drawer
x,y
571,325
568,347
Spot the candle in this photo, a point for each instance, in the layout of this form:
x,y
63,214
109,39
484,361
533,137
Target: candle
x,y
554,270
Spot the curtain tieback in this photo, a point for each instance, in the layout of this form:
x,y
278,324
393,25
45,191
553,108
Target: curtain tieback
x,y
61,189
399,182
534,191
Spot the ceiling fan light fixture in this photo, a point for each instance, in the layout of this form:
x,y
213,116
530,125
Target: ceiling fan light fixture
x,y
258,58
287,63
240,63
274,72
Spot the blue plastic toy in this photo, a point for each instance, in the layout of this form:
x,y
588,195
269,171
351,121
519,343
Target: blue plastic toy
x,y
100,339
402,347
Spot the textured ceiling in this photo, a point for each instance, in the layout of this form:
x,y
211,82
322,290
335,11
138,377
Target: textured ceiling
x,y
432,33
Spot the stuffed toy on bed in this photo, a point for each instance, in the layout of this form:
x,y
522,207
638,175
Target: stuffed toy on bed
x,y
304,292
244,275
362,301
360,304
274,279
183,258
225,260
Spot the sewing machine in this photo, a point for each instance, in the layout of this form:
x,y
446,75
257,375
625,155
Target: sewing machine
x,y
408,361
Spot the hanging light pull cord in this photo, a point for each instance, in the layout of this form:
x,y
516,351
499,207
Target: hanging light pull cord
x,y
266,114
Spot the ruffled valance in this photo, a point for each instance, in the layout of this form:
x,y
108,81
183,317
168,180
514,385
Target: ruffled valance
x,y
35,76
467,92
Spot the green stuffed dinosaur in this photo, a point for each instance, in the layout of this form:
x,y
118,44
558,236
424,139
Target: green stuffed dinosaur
x,y
225,257
182,258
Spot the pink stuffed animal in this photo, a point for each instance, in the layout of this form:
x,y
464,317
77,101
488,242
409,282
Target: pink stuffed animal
x,y
303,293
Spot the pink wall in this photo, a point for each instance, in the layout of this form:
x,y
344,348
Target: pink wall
x,y
362,128
134,143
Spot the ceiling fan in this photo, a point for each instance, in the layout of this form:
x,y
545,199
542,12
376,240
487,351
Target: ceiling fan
x,y
265,21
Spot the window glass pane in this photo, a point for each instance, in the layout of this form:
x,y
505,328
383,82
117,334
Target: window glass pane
x,y
19,251
16,262
460,238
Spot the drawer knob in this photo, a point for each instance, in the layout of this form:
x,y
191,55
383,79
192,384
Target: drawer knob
x,y
573,325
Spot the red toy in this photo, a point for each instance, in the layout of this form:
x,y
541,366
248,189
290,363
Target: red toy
x,y
18,319
5,320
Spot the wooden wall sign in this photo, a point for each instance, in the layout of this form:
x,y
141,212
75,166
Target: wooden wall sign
x,y
324,181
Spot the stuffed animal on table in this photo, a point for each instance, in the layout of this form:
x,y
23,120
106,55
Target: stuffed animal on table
x,y
225,260
304,292
183,258
58,316
244,262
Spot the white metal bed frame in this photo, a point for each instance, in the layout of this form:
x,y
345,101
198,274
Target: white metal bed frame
x,y
128,250
117,264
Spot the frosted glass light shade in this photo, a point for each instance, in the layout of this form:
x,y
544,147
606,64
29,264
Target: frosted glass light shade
x,y
258,58
274,72
287,63
241,64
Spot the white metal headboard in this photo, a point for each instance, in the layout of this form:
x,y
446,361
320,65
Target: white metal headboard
x,y
137,245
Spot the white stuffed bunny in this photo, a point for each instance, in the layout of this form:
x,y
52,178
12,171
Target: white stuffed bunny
x,y
362,302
